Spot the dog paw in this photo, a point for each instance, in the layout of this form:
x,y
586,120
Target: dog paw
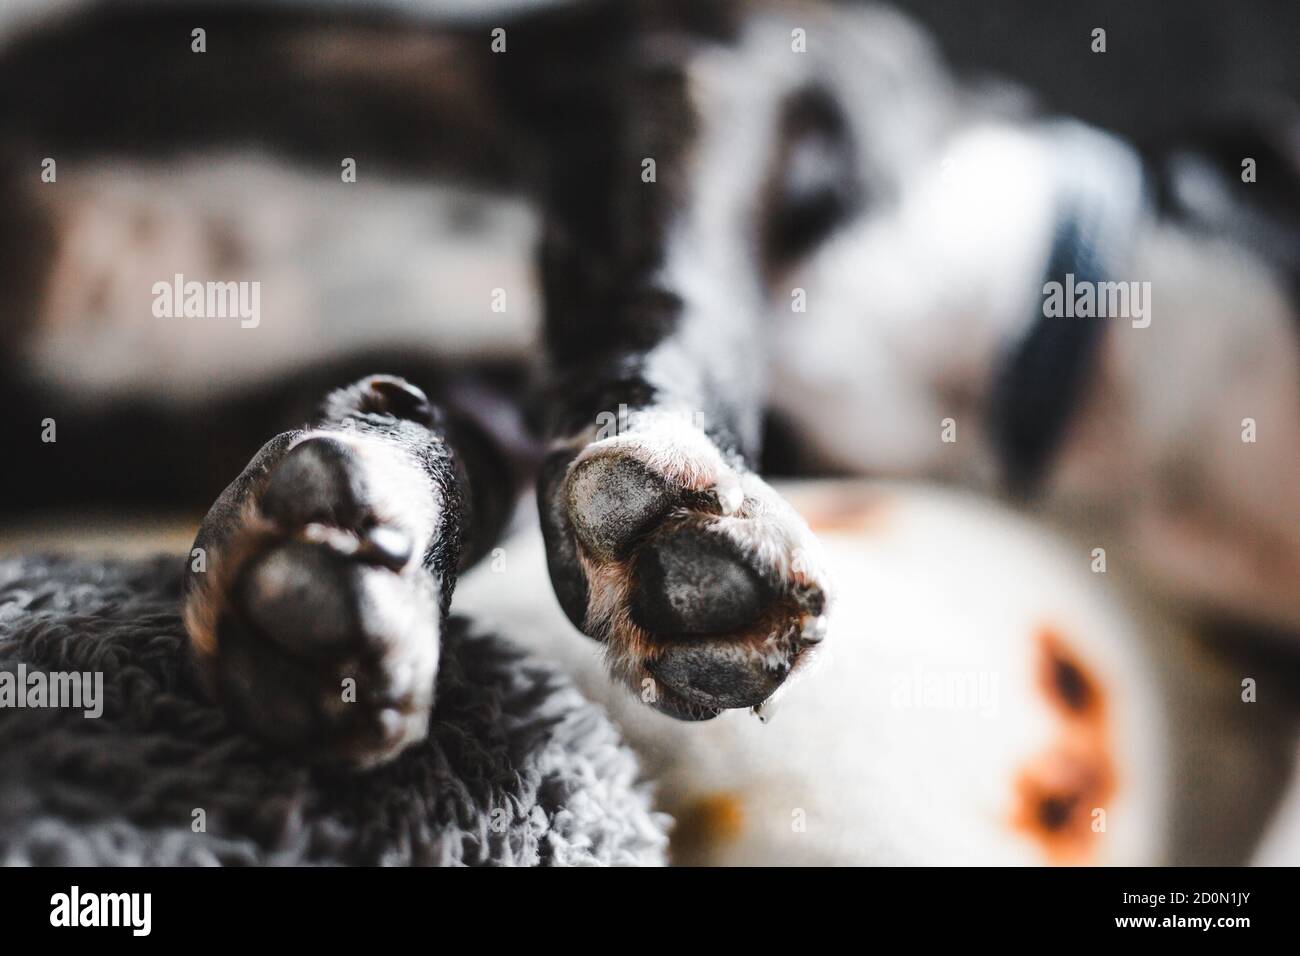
x,y
706,587
315,619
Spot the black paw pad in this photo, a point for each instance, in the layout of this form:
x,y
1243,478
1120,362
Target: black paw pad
x,y
613,499
300,597
689,581
717,676
315,482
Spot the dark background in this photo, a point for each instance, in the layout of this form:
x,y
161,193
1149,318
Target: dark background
x,y
1169,62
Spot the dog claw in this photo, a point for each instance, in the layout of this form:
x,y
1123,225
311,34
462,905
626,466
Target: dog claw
x,y
814,630
766,710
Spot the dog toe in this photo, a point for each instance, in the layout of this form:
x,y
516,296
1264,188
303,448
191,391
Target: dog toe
x,y
316,482
300,597
691,581
612,499
719,674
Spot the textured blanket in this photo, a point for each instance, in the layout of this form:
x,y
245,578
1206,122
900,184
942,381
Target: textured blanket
x,y
518,767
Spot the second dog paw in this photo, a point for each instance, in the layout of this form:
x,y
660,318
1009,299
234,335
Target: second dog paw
x,y
706,587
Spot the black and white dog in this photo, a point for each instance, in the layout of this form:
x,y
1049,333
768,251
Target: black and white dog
x,y
736,208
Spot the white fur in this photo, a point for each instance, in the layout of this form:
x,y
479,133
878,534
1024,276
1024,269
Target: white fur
x,y
907,309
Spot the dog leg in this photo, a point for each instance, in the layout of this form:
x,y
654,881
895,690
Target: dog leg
x,y
707,589
320,578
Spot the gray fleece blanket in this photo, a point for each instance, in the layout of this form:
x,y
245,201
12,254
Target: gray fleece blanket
x,y
518,767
